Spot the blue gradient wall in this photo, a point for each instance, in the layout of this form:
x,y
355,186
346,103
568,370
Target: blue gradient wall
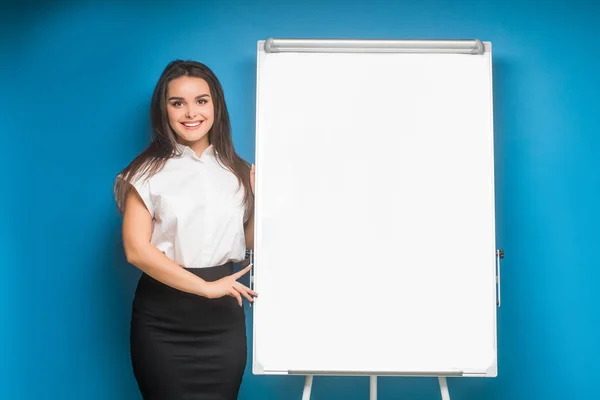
x,y
76,82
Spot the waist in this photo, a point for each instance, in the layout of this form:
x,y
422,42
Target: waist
x,y
157,306
212,273
148,286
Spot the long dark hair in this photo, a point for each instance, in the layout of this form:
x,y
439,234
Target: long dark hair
x,y
164,144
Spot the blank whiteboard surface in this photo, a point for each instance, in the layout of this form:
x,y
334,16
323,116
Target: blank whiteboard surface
x,y
375,233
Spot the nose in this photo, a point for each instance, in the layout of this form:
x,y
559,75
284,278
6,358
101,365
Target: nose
x,y
191,112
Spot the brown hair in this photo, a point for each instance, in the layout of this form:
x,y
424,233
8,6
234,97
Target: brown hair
x,y
164,144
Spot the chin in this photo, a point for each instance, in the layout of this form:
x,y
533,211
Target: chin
x,y
192,138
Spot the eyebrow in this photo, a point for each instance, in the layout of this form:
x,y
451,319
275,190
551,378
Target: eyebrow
x,y
181,98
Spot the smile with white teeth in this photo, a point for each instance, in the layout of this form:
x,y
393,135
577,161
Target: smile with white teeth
x,y
191,124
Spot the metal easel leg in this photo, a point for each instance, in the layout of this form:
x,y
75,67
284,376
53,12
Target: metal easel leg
x,y
307,387
444,388
373,388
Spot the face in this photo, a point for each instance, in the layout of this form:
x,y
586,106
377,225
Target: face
x,y
190,110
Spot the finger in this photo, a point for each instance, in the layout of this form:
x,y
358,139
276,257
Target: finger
x,y
241,273
245,291
245,294
236,294
239,287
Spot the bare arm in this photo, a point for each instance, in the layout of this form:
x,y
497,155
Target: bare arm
x,y
137,231
249,227
249,232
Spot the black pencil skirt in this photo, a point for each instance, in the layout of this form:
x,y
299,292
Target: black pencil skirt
x,y
184,346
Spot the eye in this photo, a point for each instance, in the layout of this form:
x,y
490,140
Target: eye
x,y
202,101
177,104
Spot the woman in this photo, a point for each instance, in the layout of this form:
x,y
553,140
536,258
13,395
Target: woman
x,y
188,219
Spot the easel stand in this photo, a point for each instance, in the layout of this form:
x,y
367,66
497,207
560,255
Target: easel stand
x,y
308,380
444,388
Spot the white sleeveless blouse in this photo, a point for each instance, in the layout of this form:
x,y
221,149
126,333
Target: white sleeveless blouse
x,y
197,209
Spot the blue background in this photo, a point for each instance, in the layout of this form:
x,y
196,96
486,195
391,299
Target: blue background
x,y
76,80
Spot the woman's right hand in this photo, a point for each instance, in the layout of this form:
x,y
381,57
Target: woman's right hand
x,y
229,286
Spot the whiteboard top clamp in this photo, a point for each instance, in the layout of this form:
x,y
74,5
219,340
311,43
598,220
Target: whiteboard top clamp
x,y
474,46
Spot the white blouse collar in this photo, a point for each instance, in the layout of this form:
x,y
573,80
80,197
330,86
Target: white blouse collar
x,y
187,151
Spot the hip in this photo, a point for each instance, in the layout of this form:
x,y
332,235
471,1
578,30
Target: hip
x,y
159,305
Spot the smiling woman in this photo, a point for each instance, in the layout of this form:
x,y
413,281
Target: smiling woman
x,y
187,203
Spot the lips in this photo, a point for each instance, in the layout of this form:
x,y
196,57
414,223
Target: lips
x,y
191,124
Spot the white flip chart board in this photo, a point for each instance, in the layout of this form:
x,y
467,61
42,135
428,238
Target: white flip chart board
x,y
375,247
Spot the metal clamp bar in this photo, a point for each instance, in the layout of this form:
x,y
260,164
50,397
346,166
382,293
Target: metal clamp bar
x,y
250,257
273,45
499,256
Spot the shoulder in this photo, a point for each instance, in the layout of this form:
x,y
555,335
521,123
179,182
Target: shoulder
x,y
138,176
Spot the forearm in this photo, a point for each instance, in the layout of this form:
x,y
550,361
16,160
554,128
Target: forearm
x,y
160,267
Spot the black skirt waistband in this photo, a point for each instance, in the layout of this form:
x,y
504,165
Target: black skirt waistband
x,y
174,309
211,274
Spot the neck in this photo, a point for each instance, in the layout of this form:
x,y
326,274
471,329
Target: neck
x,y
198,146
